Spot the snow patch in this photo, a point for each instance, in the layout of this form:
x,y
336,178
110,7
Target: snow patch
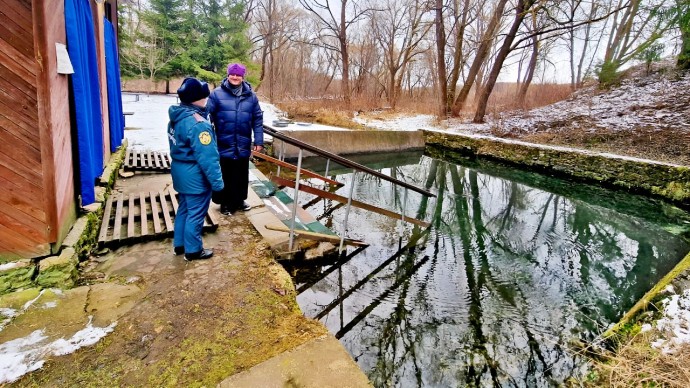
x,y
675,323
27,354
12,265
49,305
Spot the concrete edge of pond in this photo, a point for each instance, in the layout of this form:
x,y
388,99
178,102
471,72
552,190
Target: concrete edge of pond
x,y
668,181
651,295
347,142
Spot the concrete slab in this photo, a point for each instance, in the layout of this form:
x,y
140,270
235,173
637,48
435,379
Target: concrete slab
x,y
320,363
344,142
262,217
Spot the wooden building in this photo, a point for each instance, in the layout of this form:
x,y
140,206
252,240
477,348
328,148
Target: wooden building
x,y
40,193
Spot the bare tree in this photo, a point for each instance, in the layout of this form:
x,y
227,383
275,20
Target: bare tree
x,y
464,12
581,56
521,10
277,25
480,56
335,21
399,28
636,26
441,58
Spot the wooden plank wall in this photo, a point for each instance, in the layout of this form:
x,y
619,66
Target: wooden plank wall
x,y
37,198
54,121
23,221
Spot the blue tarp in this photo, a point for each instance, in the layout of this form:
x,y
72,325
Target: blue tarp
x,y
112,70
81,45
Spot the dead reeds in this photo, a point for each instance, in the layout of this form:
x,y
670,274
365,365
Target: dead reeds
x,y
636,364
335,111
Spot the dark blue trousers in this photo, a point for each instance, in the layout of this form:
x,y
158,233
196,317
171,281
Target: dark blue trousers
x,y
189,221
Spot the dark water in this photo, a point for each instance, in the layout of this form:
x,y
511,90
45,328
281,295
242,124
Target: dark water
x,y
515,269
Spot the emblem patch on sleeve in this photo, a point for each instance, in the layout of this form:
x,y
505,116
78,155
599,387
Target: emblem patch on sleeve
x,y
205,138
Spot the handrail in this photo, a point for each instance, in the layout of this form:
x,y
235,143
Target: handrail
x,y
342,161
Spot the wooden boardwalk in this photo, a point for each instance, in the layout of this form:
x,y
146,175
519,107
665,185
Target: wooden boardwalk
x,y
128,219
147,160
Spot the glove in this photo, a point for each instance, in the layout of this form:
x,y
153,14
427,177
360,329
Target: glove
x,y
217,197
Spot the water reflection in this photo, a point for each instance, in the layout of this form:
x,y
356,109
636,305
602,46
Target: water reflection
x,y
514,268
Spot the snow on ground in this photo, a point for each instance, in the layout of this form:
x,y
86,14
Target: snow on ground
x,y
400,122
656,102
674,325
27,354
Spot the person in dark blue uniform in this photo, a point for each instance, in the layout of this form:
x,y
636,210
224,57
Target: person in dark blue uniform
x,y
195,167
235,112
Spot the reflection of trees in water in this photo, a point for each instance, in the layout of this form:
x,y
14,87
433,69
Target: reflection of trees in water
x,y
531,270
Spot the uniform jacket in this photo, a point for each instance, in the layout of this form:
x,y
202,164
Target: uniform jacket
x,y
195,163
235,118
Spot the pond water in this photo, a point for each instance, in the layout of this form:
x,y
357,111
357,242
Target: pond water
x,y
515,270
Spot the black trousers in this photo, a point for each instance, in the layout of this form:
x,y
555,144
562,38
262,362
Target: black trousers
x,y
236,179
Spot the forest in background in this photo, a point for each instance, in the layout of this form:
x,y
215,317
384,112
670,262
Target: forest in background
x,y
442,56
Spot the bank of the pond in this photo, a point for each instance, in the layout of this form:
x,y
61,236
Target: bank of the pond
x,y
668,181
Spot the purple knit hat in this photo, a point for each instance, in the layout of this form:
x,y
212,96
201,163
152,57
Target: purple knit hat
x,y
237,69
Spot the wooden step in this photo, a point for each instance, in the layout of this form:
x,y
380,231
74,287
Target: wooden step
x,y
147,160
128,219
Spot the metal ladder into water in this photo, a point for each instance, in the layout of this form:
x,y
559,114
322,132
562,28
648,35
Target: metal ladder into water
x,y
348,201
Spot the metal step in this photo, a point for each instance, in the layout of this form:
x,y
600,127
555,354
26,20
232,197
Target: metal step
x,y
128,219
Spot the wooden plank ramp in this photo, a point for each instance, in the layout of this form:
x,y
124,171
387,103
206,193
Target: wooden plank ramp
x,y
128,219
144,160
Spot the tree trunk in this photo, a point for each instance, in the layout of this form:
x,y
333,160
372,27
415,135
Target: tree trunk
x,y
441,56
458,57
522,94
345,55
684,55
520,10
480,57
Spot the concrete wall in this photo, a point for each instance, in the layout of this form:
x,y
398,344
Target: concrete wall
x,y
353,142
668,181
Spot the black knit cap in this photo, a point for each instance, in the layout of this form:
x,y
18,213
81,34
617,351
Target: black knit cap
x,y
193,90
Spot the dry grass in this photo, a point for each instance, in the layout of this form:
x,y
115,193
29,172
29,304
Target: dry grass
x,y
503,98
326,112
336,112
636,364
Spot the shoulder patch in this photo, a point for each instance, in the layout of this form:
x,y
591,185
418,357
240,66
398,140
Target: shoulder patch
x,y
205,138
199,118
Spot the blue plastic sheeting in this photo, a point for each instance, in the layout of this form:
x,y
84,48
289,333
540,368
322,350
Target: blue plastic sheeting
x,y
116,117
81,45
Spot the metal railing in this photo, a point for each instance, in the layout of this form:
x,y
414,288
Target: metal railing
x,y
356,167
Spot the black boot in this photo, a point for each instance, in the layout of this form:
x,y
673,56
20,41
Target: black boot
x,y
201,255
179,251
225,210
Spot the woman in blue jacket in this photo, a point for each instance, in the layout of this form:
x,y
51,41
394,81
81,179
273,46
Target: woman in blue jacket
x,y
195,167
235,112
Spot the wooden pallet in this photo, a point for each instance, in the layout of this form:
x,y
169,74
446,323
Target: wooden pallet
x,y
128,219
147,160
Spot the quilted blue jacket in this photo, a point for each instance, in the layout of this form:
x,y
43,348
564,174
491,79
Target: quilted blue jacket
x,y
195,165
235,119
